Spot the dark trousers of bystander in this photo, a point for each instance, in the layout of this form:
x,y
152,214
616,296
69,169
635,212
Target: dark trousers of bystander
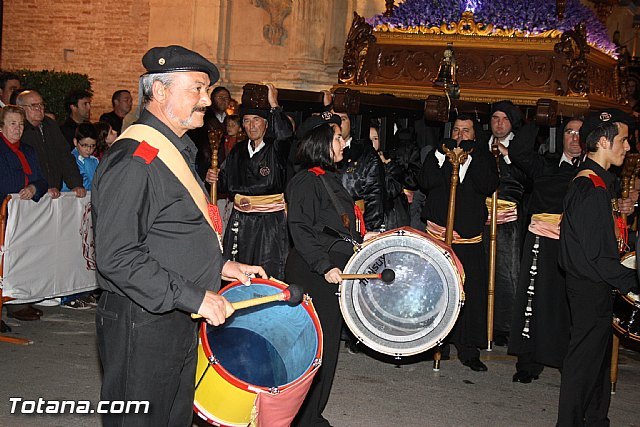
x,y
585,390
146,357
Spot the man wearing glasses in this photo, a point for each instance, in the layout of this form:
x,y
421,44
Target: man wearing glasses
x,y
539,333
43,134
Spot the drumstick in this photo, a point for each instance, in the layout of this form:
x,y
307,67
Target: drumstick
x,y
387,276
293,294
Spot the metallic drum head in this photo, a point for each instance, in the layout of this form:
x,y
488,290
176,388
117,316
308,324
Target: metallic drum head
x,y
414,312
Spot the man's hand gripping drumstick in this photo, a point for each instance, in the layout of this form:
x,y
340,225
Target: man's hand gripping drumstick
x,y
215,308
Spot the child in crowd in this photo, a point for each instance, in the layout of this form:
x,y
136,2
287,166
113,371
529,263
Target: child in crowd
x,y
85,141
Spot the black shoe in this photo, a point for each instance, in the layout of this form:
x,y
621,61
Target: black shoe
x,y
501,340
524,377
475,365
352,346
4,327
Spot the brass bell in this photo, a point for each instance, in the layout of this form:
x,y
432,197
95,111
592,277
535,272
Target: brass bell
x,y
447,70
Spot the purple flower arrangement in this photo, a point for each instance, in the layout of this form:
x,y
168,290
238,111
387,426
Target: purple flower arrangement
x,y
530,17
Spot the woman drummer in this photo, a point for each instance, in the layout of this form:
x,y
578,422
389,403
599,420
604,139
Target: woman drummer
x,y
320,210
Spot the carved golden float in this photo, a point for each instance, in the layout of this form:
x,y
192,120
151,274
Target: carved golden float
x,y
559,70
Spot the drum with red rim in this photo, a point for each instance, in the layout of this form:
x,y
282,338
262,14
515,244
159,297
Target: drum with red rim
x,y
258,366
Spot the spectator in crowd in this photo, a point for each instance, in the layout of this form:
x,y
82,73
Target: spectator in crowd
x,y
234,133
14,97
19,173
106,137
85,142
77,104
122,103
9,82
213,121
43,134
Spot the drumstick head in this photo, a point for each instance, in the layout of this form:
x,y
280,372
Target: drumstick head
x,y
388,275
295,294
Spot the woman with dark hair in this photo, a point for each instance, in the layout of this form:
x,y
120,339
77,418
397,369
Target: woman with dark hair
x,y
106,135
320,211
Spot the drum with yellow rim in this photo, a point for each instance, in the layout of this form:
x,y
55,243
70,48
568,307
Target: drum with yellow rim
x,y
257,367
626,308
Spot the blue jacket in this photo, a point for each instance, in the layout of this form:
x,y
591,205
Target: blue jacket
x,y
12,175
87,167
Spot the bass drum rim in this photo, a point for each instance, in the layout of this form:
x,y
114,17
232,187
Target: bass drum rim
x,y
629,261
423,341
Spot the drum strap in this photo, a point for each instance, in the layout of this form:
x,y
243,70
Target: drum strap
x,y
343,215
173,160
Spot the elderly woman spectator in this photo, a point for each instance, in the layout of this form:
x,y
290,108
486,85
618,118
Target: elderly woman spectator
x,y
19,173
19,168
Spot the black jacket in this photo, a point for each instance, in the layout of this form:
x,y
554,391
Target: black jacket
x,y
56,162
363,177
152,243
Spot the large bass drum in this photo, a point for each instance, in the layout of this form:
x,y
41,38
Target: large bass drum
x,y
416,311
626,308
257,367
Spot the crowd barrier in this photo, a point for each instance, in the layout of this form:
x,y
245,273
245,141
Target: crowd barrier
x,y
47,248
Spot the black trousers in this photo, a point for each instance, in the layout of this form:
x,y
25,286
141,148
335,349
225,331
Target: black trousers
x,y
146,357
326,304
507,271
585,390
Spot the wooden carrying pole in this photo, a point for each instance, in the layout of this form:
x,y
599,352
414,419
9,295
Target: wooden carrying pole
x,y
456,157
3,227
493,248
215,138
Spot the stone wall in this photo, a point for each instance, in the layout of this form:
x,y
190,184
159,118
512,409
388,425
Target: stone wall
x,y
292,43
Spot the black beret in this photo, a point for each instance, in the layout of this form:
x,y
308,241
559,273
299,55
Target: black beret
x,y
317,120
595,119
247,111
173,59
511,111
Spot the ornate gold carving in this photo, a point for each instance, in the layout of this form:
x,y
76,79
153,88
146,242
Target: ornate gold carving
x,y
467,26
573,44
355,51
274,32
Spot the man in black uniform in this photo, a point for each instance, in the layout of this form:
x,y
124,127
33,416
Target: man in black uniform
x,y
478,179
540,325
157,254
589,253
505,119
255,175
